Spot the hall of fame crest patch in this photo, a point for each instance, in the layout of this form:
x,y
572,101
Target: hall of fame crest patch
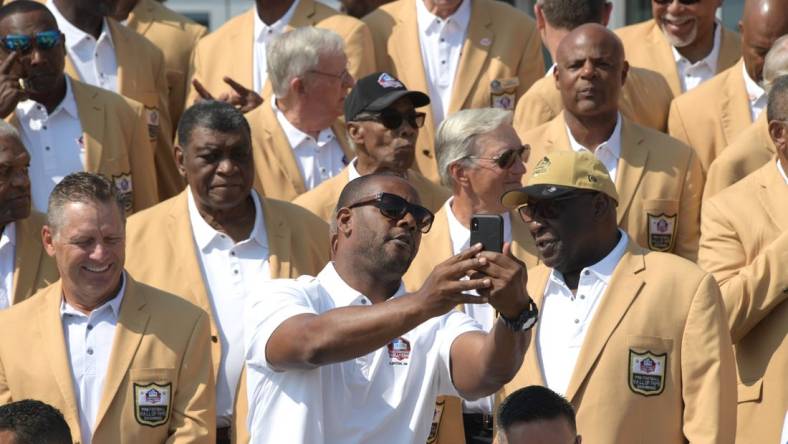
x,y
647,372
123,184
661,231
152,403
399,351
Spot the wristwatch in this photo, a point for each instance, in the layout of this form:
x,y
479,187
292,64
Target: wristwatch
x,y
525,321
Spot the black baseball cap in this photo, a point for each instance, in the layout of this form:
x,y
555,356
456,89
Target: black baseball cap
x,y
377,92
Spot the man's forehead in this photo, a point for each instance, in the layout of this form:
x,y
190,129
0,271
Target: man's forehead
x,y
29,20
393,185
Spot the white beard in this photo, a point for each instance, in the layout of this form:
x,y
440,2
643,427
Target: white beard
x,y
676,41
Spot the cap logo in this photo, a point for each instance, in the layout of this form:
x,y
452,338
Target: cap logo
x,y
592,179
387,81
542,166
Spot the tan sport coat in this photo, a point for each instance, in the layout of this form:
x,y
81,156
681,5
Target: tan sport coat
x,y
276,169
748,152
646,46
176,36
711,116
229,50
322,200
115,138
142,77
664,307
159,343
160,251
33,268
645,100
659,182
501,44
745,245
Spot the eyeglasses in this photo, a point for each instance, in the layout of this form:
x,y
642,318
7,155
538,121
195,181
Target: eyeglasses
x,y
506,159
344,76
548,208
392,119
683,2
44,40
395,208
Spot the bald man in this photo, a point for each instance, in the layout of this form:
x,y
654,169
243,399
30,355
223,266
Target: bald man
x,y
710,117
645,97
658,178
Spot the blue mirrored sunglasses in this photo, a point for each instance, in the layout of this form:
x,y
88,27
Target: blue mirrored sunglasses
x,y
43,40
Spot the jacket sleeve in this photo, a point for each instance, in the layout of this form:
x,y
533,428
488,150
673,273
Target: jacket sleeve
x,y
688,232
749,291
531,64
531,111
194,405
708,373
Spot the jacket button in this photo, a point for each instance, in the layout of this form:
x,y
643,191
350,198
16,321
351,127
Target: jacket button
x,y
214,339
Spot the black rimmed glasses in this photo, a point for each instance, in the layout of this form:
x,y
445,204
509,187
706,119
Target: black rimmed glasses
x,y
506,159
395,208
344,76
683,2
548,208
392,119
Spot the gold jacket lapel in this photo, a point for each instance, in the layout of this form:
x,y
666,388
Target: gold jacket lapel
x,y
631,166
27,258
473,57
663,55
140,19
91,118
773,194
303,15
278,232
280,154
735,111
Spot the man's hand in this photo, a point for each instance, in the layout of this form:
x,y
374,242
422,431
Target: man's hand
x,y
11,91
241,98
508,275
443,289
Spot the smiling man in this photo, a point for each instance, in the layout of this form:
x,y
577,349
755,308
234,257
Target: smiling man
x,y
117,357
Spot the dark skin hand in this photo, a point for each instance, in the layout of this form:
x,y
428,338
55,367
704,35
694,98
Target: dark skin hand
x,y
11,92
241,97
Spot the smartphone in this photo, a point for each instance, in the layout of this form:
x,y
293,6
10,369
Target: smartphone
x,y
487,229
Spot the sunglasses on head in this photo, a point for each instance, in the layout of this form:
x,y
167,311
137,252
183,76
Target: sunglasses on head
x,y
395,208
392,119
548,208
43,40
506,159
683,2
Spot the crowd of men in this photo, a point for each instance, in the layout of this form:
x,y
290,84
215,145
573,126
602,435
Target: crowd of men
x,y
264,233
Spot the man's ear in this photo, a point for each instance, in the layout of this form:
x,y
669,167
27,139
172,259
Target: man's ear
x,y
47,238
458,173
179,158
355,132
603,205
344,222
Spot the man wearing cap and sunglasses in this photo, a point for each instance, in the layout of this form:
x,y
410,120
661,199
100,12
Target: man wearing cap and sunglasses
x,y
636,340
683,41
349,356
382,127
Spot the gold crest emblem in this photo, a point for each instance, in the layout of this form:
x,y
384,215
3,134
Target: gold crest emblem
x,y
152,403
661,231
647,372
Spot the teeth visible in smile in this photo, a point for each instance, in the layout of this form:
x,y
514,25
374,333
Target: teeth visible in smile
x,y
97,269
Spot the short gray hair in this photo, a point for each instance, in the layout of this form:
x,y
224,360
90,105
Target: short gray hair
x,y
294,53
8,130
456,136
776,63
81,187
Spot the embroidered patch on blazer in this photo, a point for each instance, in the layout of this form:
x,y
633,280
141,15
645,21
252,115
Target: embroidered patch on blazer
x,y
152,403
661,230
436,421
647,372
152,116
125,188
502,93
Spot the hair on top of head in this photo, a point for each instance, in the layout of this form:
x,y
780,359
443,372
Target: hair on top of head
x,y
23,6
569,14
34,422
777,107
81,187
213,115
534,403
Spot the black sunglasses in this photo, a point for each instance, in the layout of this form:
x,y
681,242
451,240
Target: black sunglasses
x,y
683,2
395,207
44,40
548,208
392,119
506,159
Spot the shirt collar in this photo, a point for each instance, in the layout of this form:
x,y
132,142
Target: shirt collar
x,y
295,136
114,303
613,144
711,58
603,269
754,91
782,171
429,23
74,35
261,29
352,172
343,294
205,235
68,104
9,235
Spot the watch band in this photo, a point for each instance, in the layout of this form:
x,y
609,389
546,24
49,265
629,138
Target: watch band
x,y
525,321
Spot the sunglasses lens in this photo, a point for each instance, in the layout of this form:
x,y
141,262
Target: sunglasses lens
x,y
416,120
391,120
392,206
17,42
47,39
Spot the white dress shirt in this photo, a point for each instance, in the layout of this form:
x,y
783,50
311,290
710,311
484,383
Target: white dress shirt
x,y
7,253
264,34
89,340
565,317
387,396
784,438
93,59
693,74
441,45
231,273
755,94
484,314
55,143
782,171
608,152
318,160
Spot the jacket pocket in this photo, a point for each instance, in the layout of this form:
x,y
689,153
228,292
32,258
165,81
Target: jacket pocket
x,y
661,223
152,391
648,362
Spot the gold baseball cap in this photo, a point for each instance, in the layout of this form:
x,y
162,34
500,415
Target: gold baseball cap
x,y
560,173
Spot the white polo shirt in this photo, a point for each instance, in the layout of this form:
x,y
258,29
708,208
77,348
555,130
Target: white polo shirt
x,y
387,396
782,171
565,317
693,74
608,152
441,46
264,34
7,254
